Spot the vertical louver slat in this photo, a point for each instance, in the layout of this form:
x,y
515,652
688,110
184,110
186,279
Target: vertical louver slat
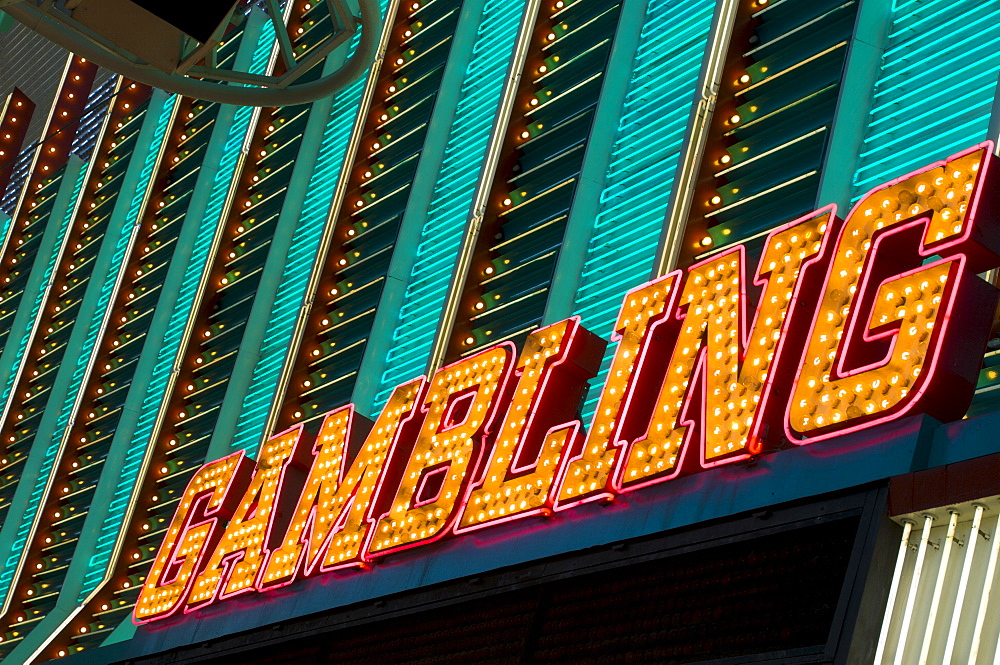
x,y
440,237
364,234
942,601
532,193
167,211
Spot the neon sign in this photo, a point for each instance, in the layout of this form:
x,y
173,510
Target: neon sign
x,y
858,322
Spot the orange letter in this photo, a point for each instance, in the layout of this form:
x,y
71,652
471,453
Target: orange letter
x,y
555,365
331,521
211,495
461,404
732,363
643,312
240,552
900,330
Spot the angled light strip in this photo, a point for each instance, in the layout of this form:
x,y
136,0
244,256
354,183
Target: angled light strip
x,y
7,570
280,202
143,442
54,425
83,364
451,203
789,70
672,235
770,190
308,250
768,153
218,210
40,178
649,147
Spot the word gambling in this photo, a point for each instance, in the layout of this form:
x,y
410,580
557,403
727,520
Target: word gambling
x,y
858,322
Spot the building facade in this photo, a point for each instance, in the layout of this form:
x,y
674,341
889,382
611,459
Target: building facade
x,y
668,329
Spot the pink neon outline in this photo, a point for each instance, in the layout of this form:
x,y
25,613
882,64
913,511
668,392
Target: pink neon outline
x,y
227,562
546,509
608,493
568,346
698,375
569,349
761,280
381,494
701,366
461,401
914,397
891,331
303,566
425,479
209,517
173,568
280,493
485,433
682,454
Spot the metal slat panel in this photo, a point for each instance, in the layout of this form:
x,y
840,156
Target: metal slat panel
x,y
441,235
646,154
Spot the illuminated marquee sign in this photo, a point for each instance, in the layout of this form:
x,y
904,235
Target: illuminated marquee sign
x,y
858,322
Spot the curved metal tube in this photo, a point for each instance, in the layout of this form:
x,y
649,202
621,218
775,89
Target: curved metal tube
x,y
226,94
